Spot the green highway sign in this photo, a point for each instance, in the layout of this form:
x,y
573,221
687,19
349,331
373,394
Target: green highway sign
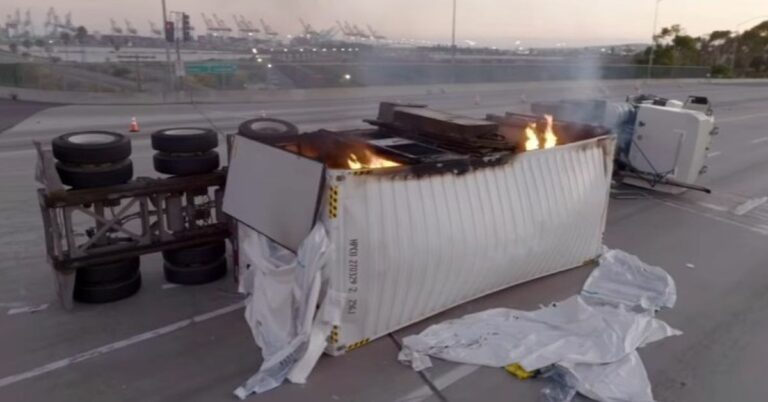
x,y
211,68
223,68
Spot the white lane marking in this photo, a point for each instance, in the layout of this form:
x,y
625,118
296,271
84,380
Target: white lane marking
x,y
689,265
735,118
27,309
760,229
442,382
713,206
759,140
12,379
749,205
167,286
713,154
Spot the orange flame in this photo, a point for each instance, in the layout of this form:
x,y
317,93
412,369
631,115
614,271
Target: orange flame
x,y
532,139
369,161
550,139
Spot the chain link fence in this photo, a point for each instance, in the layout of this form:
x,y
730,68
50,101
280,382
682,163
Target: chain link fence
x,y
156,77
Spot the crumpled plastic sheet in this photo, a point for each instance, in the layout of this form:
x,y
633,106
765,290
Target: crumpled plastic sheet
x,y
280,310
622,380
587,343
570,331
622,279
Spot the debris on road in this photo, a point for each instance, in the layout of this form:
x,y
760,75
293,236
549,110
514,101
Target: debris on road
x,y
622,279
283,296
749,205
27,309
624,380
588,341
519,372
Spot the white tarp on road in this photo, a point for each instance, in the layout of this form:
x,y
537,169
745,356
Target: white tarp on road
x,y
622,279
591,340
284,291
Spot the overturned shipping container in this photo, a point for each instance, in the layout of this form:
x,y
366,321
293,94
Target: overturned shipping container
x,y
426,210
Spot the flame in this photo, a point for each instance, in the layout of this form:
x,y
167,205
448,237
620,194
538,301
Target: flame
x,y
550,139
532,140
373,161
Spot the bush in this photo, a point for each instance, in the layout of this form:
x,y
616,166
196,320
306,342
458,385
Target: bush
x,y
720,71
121,72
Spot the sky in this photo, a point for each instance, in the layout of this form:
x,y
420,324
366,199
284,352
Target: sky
x,y
486,22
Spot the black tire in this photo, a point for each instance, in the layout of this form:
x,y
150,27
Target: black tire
x,y
117,271
95,176
108,292
204,254
186,165
91,147
195,274
184,140
266,128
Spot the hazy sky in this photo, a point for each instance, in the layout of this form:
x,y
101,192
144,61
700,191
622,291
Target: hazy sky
x,y
488,22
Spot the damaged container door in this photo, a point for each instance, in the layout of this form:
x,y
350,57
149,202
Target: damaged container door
x,y
272,191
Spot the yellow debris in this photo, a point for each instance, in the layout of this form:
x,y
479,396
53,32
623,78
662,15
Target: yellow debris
x,y
518,371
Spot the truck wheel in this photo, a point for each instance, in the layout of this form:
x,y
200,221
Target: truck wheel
x,y
95,176
108,292
195,274
91,147
186,164
116,271
257,129
204,254
185,140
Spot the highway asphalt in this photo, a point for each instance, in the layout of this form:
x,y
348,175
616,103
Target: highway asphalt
x,y
147,348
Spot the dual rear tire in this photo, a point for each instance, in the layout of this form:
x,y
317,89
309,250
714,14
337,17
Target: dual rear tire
x,y
185,151
195,265
90,159
108,282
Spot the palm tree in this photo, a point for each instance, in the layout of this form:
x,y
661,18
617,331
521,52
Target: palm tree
x,y
66,38
80,34
27,44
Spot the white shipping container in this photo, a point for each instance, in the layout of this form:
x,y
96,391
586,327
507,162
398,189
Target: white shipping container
x,y
408,247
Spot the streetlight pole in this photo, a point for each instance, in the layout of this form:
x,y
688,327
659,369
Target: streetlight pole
x,y
167,48
453,45
653,40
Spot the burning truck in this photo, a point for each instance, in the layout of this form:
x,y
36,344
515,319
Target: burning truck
x,y
421,212
662,143
340,237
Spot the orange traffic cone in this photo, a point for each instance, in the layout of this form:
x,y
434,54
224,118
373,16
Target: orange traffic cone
x,y
134,128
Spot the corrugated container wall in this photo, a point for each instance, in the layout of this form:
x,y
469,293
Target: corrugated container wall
x,y
407,248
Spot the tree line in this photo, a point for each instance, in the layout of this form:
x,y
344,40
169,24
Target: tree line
x,y
727,53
